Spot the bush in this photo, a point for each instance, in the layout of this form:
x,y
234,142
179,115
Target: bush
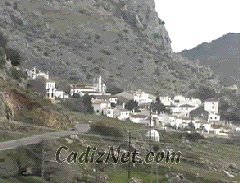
x,y
204,92
102,129
114,89
87,101
14,56
105,52
156,35
18,74
2,58
15,5
3,40
7,3
194,137
131,104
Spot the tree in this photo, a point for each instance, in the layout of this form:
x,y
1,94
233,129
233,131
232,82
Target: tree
x,y
14,56
114,89
106,130
131,104
158,106
204,92
18,74
87,101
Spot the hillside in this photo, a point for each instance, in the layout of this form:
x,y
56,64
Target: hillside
x,y
124,41
222,55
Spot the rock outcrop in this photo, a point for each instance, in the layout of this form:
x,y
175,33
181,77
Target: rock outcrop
x,y
123,40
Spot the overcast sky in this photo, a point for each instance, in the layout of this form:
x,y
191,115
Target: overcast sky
x,y
191,22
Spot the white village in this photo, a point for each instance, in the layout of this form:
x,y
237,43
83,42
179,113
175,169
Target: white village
x,y
183,114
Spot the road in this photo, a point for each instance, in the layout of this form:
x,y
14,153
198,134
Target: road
x,y
36,139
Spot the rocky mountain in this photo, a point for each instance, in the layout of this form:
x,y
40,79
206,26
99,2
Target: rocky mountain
x,y
222,55
123,40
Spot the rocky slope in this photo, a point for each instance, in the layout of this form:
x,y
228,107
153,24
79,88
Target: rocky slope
x,y
123,40
222,55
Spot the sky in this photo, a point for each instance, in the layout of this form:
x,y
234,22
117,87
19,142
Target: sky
x,y
191,22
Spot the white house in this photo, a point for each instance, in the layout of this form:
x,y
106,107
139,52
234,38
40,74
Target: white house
x,y
166,101
34,74
100,105
237,129
181,100
186,109
141,97
204,125
176,123
212,117
164,119
109,113
98,88
50,89
118,112
113,100
61,94
216,130
123,114
136,118
211,105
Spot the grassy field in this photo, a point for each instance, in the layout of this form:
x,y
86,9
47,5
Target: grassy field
x,y
206,160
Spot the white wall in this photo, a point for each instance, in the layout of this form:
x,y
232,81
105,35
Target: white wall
x,y
211,106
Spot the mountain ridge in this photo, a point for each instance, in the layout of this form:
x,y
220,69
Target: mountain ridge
x,y
124,41
222,55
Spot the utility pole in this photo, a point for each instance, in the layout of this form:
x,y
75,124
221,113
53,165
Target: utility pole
x,y
150,121
96,173
43,161
129,148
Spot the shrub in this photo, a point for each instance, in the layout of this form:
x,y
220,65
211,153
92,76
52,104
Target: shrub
x,y
18,74
194,137
87,103
131,104
7,3
114,89
102,129
105,52
15,5
3,40
2,58
156,35
14,56
204,92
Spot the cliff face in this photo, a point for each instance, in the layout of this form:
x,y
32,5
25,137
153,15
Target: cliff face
x,y
123,40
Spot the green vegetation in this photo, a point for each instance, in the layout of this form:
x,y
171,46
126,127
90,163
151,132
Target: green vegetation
x,y
14,56
18,74
159,107
131,104
79,104
204,92
2,58
202,161
106,130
